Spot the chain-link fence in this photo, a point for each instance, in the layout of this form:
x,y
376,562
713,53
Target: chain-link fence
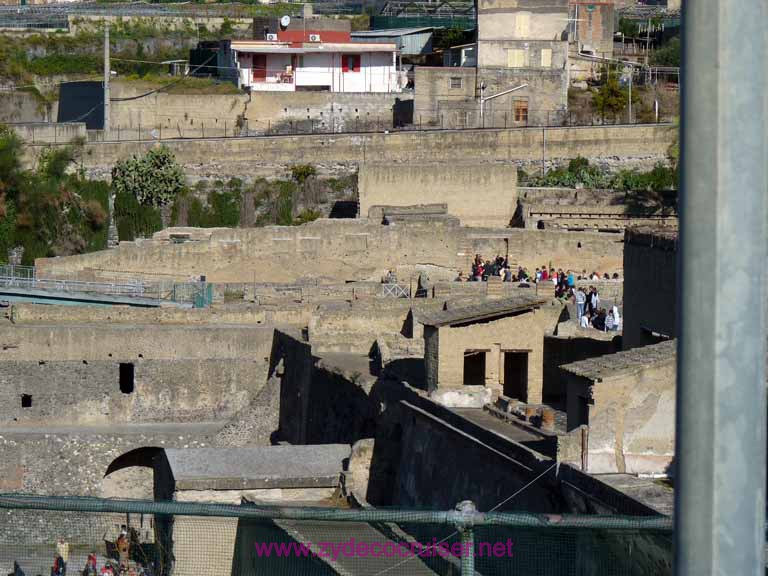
x,y
190,539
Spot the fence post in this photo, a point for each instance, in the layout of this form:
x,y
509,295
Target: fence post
x,y
464,523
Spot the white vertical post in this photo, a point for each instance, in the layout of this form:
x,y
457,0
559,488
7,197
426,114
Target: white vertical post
x,y
721,418
106,80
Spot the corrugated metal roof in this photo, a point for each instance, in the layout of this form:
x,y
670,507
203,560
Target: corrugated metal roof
x,y
391,32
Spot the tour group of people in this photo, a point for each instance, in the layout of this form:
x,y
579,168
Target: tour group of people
x,y
499,266
122,567
588,312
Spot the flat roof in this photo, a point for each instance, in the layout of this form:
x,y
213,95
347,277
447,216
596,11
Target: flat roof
x,y
391,32
259,467
660,237
311,47
623,362
486,311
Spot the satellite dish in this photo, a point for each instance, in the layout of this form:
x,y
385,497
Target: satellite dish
x,y
285,20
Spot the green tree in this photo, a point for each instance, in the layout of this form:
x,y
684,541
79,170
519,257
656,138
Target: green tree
x,y
7,231
11,173
154,179
628,28
611,99
135,220
668,54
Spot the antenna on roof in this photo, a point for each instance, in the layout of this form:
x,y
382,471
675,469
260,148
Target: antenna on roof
x,y
284,21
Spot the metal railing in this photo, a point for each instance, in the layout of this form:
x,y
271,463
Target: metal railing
x,y
76,286
26,278
169,537
394,291
363,125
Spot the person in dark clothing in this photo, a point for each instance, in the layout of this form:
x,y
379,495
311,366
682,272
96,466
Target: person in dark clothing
x,y
599,321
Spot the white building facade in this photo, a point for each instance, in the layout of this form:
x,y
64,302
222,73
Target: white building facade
x,y
332,67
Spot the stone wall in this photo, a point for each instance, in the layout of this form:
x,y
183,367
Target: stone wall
x,y
251,314
429,477
647,144
18,106
173,115
322,400
476,195
333,251
545,97
320,111
86,393
133,342
93,22
182,115
49,132
445,97
650,286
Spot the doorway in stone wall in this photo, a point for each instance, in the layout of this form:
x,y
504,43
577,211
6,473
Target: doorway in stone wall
x,y
474,367
516,375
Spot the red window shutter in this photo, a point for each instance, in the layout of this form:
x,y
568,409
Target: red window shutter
x,y
344,63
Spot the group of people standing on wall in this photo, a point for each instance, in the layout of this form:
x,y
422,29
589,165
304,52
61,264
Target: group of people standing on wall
x,y
589,313
499,266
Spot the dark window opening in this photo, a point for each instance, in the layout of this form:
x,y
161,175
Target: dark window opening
x,y
516,375
474,368
26,401
350,63
583,415
126,378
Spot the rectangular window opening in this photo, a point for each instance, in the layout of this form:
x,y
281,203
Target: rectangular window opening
x,y
26,401
474,367
126,377
456,82
516,375
350,63
521,111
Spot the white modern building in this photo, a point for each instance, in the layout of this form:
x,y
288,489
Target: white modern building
x,y
318,66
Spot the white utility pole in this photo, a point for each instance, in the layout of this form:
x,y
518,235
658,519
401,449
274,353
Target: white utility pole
x,y
631,74
106,79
